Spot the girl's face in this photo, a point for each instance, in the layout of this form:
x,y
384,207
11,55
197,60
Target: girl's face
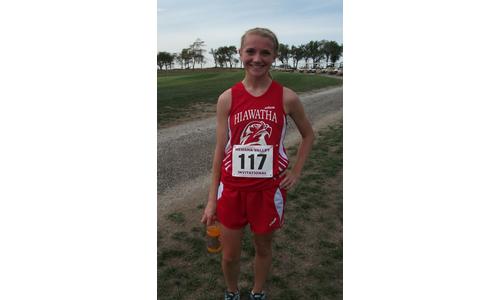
x,y
257,54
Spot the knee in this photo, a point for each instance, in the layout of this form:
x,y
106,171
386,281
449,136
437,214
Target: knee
x,y
263,250
230,257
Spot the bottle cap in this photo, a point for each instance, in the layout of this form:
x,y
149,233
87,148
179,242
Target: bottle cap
x,y
213,230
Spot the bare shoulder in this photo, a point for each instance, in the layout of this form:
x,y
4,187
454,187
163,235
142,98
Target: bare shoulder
x,y
224,101
225,96
290,100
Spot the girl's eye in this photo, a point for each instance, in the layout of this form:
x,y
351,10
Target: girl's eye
x,y
253,52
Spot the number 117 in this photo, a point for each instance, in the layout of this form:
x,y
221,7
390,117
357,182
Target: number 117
x,y
252,157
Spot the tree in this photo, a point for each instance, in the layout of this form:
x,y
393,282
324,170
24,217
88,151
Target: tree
x,y
186,56
164,59
196,50
314,51
306,54
219,57
161,59
201,60
284,54
231,50
224,55
297,53
179,59
336,54
332,51
171,60
221,60
214,54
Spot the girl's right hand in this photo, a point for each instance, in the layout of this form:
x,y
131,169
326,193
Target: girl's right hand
x,y
210,213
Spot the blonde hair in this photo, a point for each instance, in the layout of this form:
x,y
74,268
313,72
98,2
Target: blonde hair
x,y
263,32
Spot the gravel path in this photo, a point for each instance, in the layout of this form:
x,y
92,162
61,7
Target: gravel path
x,y
185,151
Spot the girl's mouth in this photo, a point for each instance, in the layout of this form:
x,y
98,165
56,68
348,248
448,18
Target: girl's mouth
x,y
257,66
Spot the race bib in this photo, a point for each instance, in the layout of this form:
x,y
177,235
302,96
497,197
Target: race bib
x,y
253,161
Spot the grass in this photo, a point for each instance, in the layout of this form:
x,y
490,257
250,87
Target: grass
x,y
177,217
308,251
181,93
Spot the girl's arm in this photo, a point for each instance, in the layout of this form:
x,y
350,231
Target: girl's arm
x,y
294,108
223,108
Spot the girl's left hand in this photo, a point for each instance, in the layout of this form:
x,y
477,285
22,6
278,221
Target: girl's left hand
x,y
289,180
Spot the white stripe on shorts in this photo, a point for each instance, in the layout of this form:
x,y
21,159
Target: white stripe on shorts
x,y
278,203
219,191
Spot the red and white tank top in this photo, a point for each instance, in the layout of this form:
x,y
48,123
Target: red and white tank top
x,y
255,154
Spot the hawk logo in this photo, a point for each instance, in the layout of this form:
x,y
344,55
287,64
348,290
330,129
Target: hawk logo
x,y
254,133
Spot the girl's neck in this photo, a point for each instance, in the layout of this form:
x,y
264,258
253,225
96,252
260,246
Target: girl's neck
x,y
256,82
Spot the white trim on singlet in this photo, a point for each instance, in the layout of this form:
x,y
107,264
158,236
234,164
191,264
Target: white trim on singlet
x,y
282,164
227,151
282,155
228,145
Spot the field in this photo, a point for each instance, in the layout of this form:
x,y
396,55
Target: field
x,y
307,252
190,94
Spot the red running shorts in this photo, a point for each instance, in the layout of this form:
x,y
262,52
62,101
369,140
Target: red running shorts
x,y
264,210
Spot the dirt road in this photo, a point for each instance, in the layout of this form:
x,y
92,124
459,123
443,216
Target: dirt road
x,y
185,151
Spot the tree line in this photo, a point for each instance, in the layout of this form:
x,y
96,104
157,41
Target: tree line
x,y
314,54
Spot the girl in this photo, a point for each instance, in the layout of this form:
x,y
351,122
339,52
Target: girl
x,y
250,175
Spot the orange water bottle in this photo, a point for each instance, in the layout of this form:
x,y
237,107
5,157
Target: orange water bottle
x,y
213,242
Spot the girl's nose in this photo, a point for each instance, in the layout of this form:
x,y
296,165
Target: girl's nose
x,y
257,57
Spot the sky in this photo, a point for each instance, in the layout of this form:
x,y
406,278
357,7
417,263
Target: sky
x,y
223,22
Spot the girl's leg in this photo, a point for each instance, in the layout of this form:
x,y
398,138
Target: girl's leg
x,y
231,251
263,259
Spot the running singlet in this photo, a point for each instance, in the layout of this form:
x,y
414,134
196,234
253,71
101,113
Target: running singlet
x,y
255,154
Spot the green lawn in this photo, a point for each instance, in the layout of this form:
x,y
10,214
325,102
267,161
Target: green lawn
x,y
179,93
